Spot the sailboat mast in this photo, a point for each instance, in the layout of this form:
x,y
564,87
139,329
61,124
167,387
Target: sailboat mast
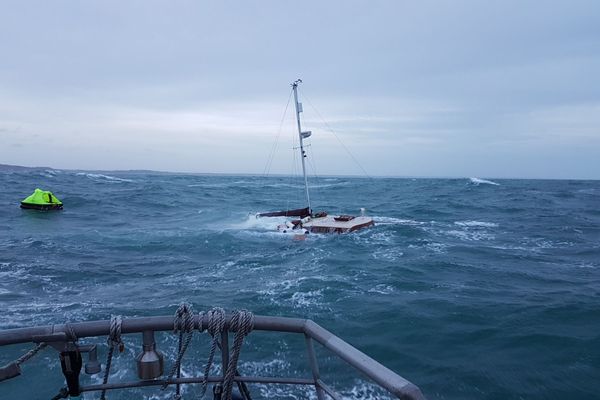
x,y
302,153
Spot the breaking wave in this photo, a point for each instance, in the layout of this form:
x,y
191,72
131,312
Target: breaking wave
x,y
479,181
102,177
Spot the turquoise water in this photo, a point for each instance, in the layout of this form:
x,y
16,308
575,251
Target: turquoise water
x,y
468,288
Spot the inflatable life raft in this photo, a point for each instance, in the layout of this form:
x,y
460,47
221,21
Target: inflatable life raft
x,y
42,200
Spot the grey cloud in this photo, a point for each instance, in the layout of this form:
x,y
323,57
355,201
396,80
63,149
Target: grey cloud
x,y
433,81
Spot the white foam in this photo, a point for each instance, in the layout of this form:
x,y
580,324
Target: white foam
x,y
481,224
307,299
382,289
285,392
395,221
252,222
385,237
471,236
365,391
272,368
262,226
585,265
591,191
392,254
211,185
101,177
434,247
478,181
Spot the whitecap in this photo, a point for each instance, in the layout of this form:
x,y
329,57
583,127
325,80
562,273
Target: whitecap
x,y
586,265
307,299
102,177
382,289
253,222
481,224
478,181
393,254
395,221
470,235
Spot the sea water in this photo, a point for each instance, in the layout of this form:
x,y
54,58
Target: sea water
x,y
469,288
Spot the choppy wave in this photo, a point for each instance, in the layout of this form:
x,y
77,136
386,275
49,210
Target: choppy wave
x,y
445,275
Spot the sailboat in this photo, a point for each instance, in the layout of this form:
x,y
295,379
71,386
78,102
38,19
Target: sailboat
x,y
307,221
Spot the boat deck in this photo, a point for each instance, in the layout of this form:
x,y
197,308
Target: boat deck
x,y
329,224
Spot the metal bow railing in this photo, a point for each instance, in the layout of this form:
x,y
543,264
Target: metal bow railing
x,y
63,334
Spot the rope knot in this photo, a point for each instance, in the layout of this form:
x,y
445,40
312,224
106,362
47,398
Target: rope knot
x,y
216,321
183,323
184,319
242,321
114,335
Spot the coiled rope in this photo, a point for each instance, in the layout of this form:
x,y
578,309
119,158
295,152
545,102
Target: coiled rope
x,y
183,322
242,322
215,325
114,339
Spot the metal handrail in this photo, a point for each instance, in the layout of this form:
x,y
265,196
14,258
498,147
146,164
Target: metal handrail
x,y
386,378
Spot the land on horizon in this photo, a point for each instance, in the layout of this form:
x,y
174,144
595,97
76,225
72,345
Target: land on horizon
x,y
18,168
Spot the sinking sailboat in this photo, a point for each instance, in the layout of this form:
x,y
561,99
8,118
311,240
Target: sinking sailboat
x,y
308,221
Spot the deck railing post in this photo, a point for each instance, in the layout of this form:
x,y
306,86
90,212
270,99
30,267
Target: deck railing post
x,y
314,366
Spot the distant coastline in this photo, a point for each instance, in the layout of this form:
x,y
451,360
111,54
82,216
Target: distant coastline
x,y
20,168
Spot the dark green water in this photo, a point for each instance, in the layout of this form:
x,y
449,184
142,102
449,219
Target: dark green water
x,y
468,289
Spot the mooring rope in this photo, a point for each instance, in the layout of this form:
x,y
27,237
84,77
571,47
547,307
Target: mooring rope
x,y
114,339
183,322
242,322
27,356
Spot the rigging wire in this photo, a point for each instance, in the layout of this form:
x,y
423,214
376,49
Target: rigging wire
x,y
313,164
295,172
274,147
337,137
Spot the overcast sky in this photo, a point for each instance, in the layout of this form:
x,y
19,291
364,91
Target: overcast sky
x,y
411,88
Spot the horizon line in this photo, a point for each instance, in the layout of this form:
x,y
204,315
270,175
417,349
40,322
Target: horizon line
x,y
7,166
